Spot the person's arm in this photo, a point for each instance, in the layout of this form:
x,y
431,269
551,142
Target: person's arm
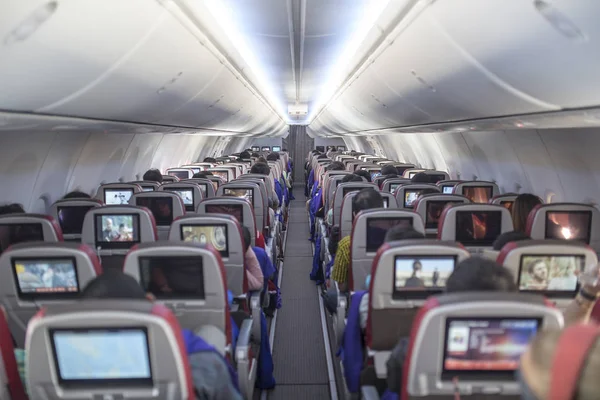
x,y
341,264
580,309
211,376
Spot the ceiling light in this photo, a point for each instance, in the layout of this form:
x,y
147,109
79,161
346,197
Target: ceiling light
x,y
31,24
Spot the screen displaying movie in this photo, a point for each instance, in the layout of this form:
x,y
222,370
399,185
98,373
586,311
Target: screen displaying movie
x,y
569,225
508,204
180,174
255,148
350,190
161,208
122,229
478,194
422,272
394,187
378,227
215,235
54,276
447,189
187,195
117,196
71,218
486,345
276,148
374,174
434,212
17,233
87,356
550,273
247,194
265,148
478,228
235,210
172,276
221,174
410,196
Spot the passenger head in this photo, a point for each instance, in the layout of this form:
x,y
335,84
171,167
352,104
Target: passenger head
x,y
273,157
202,174
76,195
263,160
113,284
366,199
210,160
244,155
255,154
364,174
480,274
402,232
421,177
509,237
522,206
247,237
153,175
260,168
388,169
335,166
351,178
13,208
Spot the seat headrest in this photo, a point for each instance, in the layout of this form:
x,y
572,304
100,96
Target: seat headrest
x,y
430,207
117,193
477,191
474,224
570,221
410,172
147,186
140,340
206,186
502,324
16,228
164,205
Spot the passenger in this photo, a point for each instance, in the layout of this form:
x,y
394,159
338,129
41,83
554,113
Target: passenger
x,y
364,200
389,171
263,160
14,208
202,174
76,195
210,160
273,157
421,177
263,168
244,155
266,266
345,179
364,174
523,205
255,154
153,175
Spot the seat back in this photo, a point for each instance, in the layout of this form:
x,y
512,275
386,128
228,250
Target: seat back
x,y
341,191
18,228
430,208
368,234
507,200
389,201
147,186
474,225
477,191
165,207
38,273
391,185
241,209
570,221
410,172
442,344
188,278
436,176
221,231
395,295
270,185
204,165
181,173
375,172
447,186
406,195
250,191
206,186
224,173
170,179
234,171
11,385
190,193
70,214
261,184
195,168
548,267
117,193
402,167
330,185
136,339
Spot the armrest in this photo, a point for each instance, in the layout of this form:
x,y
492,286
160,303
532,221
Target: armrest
x,y
243,341
369,393
340,320
246,364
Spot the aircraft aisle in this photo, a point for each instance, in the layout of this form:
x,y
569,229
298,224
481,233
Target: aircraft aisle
x,y
298,349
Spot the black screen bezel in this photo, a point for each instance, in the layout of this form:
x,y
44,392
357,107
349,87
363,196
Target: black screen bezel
x,y
38,225
116,245
45,296
589,232
63,208
173,296
417,294
224,253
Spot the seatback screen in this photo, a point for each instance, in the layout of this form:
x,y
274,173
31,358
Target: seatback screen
x,y
180,174
88,356
266,148
434,211
255,148
394,187
235,210
478,228
173,276
422,272
478,194
276,148
550,273
186,194
117,196
47,277
71,218
247,194
483,347
161,208
347,190
569,225
374,174
147,188
117,231
447,189
410,196
215,235
222,174
435,178
378,227
17,233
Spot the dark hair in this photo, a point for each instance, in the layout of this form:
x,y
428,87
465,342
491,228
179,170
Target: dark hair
x,y
273,157
261,159
402,232
113,284
202,174
153,175
366,199
351,178
245,155
480,274
76,195
421,177
389,169
210,160
14,208
255,154
508,237
284,150
260,168
364,174
247,237
335,166
428,191
522,206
